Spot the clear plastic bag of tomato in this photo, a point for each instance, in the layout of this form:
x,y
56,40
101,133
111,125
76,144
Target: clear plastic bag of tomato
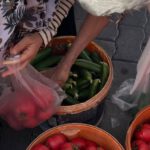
x,y
28,98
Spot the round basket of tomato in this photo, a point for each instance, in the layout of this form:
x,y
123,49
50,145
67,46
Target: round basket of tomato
x,y
75,137
138,135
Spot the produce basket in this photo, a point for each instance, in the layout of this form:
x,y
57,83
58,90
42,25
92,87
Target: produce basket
x,y
88,132
142,117
90,108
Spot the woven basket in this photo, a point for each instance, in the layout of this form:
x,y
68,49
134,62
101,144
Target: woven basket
x,y
142,117
89,132
99,97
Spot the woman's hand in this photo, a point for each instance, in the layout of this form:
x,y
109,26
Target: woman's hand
x,y
59,74
28,48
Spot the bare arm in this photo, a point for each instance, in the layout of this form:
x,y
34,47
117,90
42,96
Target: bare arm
x,y
91,27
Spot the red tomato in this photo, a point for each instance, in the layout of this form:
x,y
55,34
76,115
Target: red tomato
x,y
13,122
30,123
55,141
44,115
94,148
45,95
68,146
40,147
139,145
90,143
25,107
80,142
91,148
149,145
143,134
146,125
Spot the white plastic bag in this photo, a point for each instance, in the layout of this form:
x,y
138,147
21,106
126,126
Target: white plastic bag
x,y
134,95
31,100
142,82
122,97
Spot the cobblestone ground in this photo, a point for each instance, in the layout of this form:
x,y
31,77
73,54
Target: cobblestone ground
x,y
124,44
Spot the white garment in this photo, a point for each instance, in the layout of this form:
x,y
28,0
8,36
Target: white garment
x,y
107,7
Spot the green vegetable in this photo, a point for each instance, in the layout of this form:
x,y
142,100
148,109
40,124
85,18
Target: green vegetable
x,y
48,62
95,57
71,74
87,75
88,65
84,55
41,55
71,101
94,87
105,73
83,95
71,81
73,92
67,86
82,83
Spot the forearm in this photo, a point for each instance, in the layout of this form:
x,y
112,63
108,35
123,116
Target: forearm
x,y
89,30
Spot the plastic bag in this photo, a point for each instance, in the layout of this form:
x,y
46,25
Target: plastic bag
x,y
122,97
130,102
30,100
142,82
134,95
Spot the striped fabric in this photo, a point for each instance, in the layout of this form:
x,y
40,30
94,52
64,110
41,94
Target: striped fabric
x,y
61,12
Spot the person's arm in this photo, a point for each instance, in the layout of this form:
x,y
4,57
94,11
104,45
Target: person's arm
x,y
30,44
91,27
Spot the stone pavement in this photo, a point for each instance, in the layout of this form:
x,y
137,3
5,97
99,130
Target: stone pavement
x,y
124,44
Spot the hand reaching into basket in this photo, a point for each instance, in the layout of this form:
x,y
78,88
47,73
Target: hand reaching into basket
x,y
61,73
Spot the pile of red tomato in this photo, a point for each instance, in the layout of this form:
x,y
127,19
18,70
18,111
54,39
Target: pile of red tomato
x,y
25,111
60,142
141,139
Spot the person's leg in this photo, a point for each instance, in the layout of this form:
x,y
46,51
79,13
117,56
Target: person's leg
x,y
68,26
